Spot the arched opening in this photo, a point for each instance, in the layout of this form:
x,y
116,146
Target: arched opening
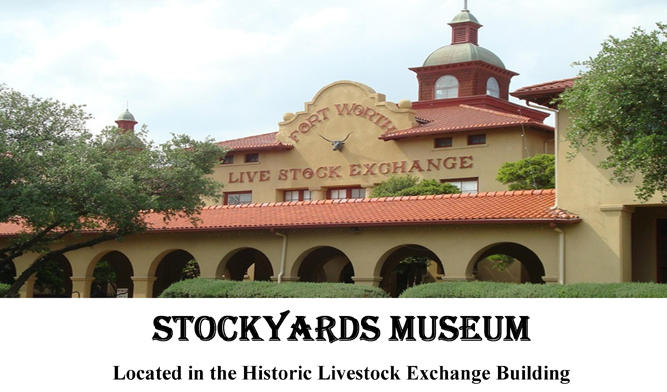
x,y
248,264
175,266
326,264
508,262
8,273
407,266
54,279
113,277
446,87
492,87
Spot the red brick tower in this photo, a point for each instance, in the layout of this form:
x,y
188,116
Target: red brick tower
x,y
126,121
463,68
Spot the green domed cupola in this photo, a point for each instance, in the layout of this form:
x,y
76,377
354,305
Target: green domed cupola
x,y
463,68
126,121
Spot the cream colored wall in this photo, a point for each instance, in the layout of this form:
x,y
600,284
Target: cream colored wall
x,y
600,248
457,246
284,170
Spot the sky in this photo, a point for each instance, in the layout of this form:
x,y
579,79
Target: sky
x,y
227,69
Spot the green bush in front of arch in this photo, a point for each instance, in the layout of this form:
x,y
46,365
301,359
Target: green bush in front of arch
x,y
512,290
215,288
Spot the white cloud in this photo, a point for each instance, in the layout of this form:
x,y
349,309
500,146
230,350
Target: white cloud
x,y
230,68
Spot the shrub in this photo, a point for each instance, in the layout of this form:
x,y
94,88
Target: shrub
x,y
511,290
213,288
3,289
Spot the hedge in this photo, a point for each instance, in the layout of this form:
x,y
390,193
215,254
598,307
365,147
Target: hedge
x,y
3,289
212,288
511,290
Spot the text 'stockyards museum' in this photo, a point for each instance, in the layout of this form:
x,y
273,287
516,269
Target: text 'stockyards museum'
x,y
297,204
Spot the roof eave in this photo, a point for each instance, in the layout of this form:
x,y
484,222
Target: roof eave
x,y
438,131
501,221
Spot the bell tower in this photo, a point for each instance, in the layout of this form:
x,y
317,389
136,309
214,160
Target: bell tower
x,y
463,68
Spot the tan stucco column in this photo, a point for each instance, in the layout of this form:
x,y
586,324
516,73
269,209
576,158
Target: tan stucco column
x,y
619,220
370,281
143,286
208,268
28,289
81,286
456,272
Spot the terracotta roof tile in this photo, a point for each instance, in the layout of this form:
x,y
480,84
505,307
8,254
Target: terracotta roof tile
x,y
266,141
544,93
491,207
515,207
556,85
463,118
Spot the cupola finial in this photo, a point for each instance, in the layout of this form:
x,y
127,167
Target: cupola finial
x,y
465,5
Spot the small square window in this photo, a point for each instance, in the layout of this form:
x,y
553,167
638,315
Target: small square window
x,y
357,193
443,142
466,185
476,139
338,194
347,193
291,196
300,195
238,198
228,160
251,158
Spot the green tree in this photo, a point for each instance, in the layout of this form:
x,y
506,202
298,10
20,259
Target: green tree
x,y
191,270
411,271
105,275
536,172
67,187
619,103
412,186
51,279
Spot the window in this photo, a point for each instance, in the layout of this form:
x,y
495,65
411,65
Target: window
x,y
251,158
298,195
233,198
476,139
466,185
347,193
228,160
446,87
492,87
443,142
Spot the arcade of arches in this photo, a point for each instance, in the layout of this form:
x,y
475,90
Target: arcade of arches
x,y
144,265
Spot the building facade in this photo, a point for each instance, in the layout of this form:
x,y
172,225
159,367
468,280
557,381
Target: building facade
x,y
298,203
620,239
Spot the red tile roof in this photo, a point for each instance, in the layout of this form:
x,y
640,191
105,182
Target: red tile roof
x,y
515,207
556,85
263,142
461,118
489,207
544,93
9,229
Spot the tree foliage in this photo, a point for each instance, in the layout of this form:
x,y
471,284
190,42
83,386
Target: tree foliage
x,y
105,275
67,187
412,186
536,172
620,103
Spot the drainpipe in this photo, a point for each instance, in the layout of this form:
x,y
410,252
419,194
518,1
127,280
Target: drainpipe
x,y
283,256
561,253
556,148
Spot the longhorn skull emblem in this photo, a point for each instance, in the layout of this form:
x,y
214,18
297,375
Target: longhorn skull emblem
x,y
337,144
